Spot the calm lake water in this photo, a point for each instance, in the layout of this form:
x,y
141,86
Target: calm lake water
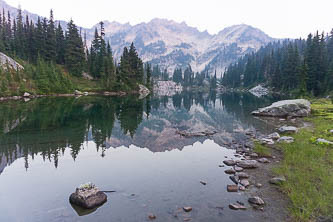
x,y
49,146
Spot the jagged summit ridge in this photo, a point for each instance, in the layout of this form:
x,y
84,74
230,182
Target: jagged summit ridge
x,y
171,44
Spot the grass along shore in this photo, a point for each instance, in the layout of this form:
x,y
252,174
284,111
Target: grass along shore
x,y
308,166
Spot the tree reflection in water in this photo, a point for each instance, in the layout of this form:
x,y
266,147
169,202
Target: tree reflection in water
x,y
49,126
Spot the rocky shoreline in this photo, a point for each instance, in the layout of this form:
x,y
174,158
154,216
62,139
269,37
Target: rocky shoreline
x,y
251,172
143,92
28,97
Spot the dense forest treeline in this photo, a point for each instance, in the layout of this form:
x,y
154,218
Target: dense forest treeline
x,y
52,57
302,67
187,78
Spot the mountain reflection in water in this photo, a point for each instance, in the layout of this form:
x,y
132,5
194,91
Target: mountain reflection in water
x,y
49,126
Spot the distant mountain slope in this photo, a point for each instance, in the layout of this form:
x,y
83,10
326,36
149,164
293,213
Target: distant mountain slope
x,y
171,44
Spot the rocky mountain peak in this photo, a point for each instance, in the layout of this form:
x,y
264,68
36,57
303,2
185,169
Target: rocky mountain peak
x,y
171,44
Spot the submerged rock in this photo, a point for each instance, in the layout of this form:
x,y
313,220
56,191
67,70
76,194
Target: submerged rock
x,y
288,129
88,196
233,179
152,217
256,200
242,175
237,207
203,183
230,171
286,139
195,134
284,108
229,162
248,164
232,188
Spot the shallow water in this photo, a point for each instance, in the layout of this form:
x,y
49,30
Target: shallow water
x,y
50,146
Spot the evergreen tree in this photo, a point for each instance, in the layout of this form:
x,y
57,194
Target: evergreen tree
x,y
136,64
50,40
178,75
148,73
299,66
213,82
165,75
40,39
60,45
19,35
188,75
303,73
74,54
47,47
109,72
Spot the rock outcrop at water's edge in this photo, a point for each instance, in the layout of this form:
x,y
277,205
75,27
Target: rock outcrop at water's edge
x,y
8,62
143,91
285,108
259,91
88,196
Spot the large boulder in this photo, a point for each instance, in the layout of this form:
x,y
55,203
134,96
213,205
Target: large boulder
x,y
143,91
229,162
248,164
26,94
7,62
259,91
78,93
292,108
88,196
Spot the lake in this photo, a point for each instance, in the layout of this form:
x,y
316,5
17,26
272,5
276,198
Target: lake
x,y
49,146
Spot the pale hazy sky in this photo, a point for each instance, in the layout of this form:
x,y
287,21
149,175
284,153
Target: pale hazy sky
x,y
278,18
